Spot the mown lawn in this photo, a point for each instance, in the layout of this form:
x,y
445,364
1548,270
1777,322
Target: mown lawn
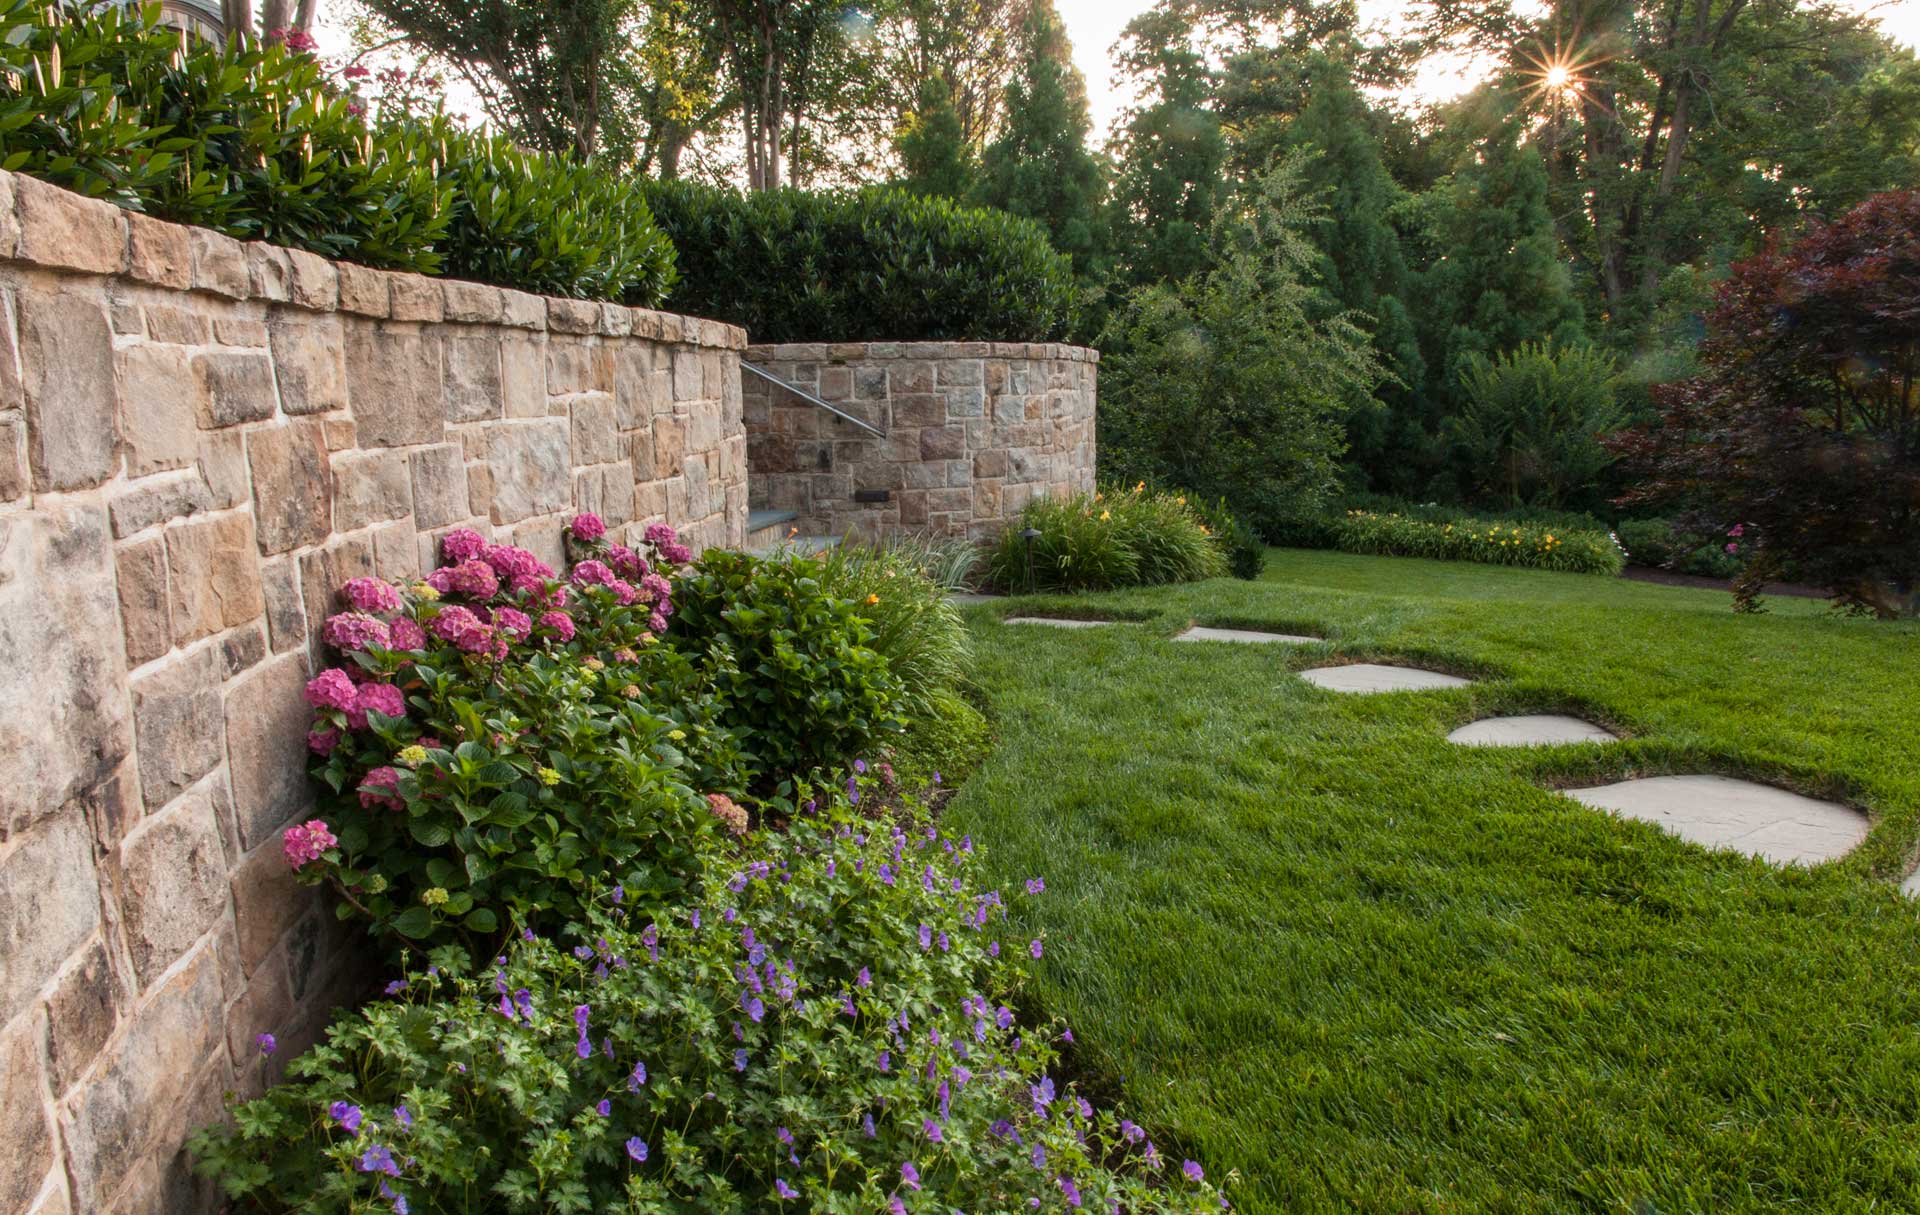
x,y
1306,938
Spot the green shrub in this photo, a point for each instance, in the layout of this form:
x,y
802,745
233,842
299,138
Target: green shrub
x,y
1654,542
1531,421
1467,539
249,140
792,266
1238,543
553,226
793,661
495,739
829,1024
915,627
1114,538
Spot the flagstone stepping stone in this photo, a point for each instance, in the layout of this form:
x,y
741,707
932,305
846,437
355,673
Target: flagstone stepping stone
x,y
1531,730
1203,633
1050,622
1367,677
968,598
1720,812
1911,887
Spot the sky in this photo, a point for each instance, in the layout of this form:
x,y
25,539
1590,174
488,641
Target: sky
x,y
1095,25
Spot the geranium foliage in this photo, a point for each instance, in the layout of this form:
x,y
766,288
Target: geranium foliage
x,y
1801,439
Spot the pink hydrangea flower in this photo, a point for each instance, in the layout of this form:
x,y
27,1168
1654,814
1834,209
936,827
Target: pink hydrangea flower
x,y
462,544
371,595
322,742
512,622
559,624
461,627
627,563
355,631
676,554
380,697
406,634
475,579
624,592
306,842
658,589
514,563
656,622
660,533
593,573
331,689
383,777
587,526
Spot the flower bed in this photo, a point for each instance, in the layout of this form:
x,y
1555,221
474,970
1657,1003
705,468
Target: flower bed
x,y
1534,545
680,1013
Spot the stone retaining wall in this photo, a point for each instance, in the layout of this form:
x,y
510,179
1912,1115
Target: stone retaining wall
x,y
974,431
199,441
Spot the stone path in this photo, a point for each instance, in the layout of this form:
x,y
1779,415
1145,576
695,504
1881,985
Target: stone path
x,y
1203,633
968,598
1531,730
1057,624
1372,677
1720,812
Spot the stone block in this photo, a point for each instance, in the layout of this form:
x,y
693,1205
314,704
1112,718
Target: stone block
x,y
26,1136
370,487
265,1008
532,468
669,445
913,507
242,331
634,388
315,282
292,485
66,356
473,378
63,715
596,432
572,316
160,401
49,906
269,273
222,463
178,326
267,721
13,465
138,505
141,578
439,476
219,263
990,463
920,409
238,388
286,617
574,366
242,648
64,230
176,726
523,377
173,883
309,358
472,302
267,902
417,298
214,574
394,384
324,571
943,443
126,318
364,291
158,253
689,378
81,1016
524,311
396,553
139,1101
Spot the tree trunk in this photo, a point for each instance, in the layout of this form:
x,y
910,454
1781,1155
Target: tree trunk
x,y
237,15
274,17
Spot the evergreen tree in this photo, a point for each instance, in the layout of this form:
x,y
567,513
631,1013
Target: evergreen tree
x,y
1171,176
1040,167
933,147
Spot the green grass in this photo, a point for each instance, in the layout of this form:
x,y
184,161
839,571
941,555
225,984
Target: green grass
x,y
1307,939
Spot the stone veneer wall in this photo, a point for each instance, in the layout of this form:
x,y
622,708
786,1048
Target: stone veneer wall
x,y
974,431
199,441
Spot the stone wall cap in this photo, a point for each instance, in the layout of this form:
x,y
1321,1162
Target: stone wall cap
x,y
861,352
50,227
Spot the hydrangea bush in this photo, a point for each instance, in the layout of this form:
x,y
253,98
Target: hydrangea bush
x,y
828,1026
494,737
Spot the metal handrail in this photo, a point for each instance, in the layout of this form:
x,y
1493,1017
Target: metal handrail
x,y
808,397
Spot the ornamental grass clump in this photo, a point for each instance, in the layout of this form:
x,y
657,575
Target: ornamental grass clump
x,y
1114,538
494,736
829,1025
915,626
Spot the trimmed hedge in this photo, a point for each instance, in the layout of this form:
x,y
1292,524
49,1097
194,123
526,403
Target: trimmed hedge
x,y
250,140
791,266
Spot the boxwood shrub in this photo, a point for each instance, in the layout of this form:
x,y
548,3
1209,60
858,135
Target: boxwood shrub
x,y
871,265
252,141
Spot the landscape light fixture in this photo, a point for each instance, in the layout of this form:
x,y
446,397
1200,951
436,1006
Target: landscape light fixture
x,y
1030,535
